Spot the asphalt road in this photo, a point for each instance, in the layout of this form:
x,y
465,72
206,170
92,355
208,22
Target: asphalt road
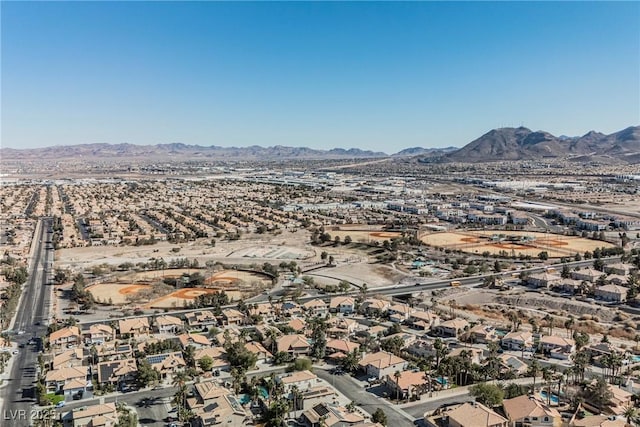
x,y
365,400
19,397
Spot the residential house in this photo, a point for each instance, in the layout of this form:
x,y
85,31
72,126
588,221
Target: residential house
x,y
406,338
316,307
194,340
557,347
264,310
259,350
117,372
571,286
525,410
423,320
598,421
341,327
587,274
616,279
622,269
620,400
296,345
399,313
214,405
518,340
57,379
475,355
201,319
509,363
167,363
544,280
68,358
99,334
216,354
325,414
613,293
302,380
290,308
342,305
100,415
231,316
451,328
483,334
169,324
475,414
422,348
297,324
341,346
374,307
68,336
134,327
381,364
409,384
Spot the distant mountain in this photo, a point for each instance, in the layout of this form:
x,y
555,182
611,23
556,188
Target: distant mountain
x,y
524,144
180,151
425,152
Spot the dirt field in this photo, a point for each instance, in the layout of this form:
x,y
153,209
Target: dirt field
x,y
532,243
182,297
115,291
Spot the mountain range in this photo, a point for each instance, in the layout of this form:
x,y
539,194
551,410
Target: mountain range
x,y
496,145
524,144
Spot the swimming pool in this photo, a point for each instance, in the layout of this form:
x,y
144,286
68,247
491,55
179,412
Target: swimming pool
x,y
554,397
245,398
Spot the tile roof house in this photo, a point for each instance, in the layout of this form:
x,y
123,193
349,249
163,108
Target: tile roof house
x,y
408,384
519,340
296,344
475,415
56,379
98,334
381,364
100,415
451,328
117,371
342,304
213,405
68,358
259,350
65,337
613,293
168,324
316,307
194,340
167,363
527,410
330,416
132,327
341,345
557,347
201,319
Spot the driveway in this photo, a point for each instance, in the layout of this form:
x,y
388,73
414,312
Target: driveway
x,y
354,391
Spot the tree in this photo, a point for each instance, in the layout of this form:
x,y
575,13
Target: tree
x,y
534,370
598,393
146,374
347,240
487,394
379,417
631,415
544,255
324,255
205,363
514,390
397,376
302,364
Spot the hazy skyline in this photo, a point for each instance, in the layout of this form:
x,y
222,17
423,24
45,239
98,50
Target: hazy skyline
x,y
378,76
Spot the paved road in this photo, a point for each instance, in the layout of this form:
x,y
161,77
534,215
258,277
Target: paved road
x,y
18,397
365,400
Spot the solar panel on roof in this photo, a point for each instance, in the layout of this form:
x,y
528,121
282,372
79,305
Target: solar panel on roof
x,y
321,410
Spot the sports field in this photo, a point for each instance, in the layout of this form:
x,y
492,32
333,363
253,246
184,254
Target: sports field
x,y
513,242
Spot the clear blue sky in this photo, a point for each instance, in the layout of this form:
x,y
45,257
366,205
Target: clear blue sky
x,y
380,76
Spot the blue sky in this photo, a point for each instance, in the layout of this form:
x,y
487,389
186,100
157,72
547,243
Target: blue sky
x,y
380,76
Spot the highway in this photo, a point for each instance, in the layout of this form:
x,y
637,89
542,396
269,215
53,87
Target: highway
x,y
19,396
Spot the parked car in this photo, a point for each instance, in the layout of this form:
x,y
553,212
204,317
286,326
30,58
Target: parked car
x,y
61,404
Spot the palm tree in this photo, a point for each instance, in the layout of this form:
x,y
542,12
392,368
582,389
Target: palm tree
x,y
534,370
397,376
547,375
631,415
